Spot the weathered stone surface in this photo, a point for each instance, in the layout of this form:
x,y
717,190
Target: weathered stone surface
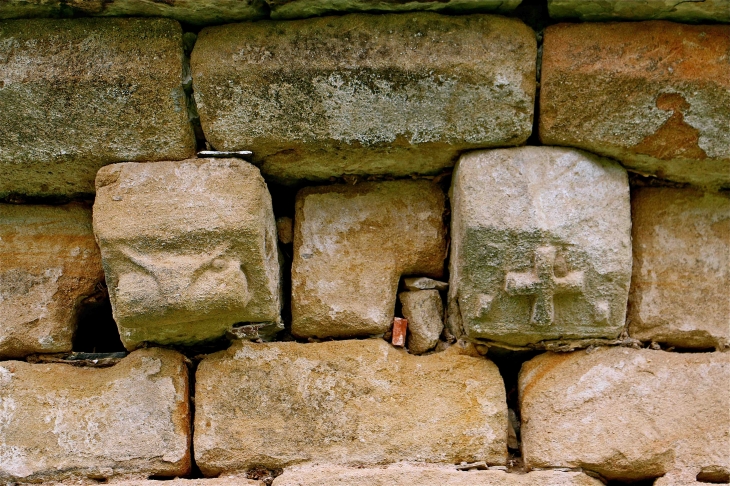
x,y
351,246
677,10
195,12
49,262
356,402
425,313
424,283
410,475
221,481
541,246
365,94
59,421
79,94
189,248
626,413
654,95
681,276
299,9
716,475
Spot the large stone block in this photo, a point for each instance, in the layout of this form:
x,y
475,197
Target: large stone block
x,y
78,94
345,402
189,248
679,11
351,246
365,94
541,246
298,9
654,95
626,413
679,292
59,421
221,481
410,475
49,262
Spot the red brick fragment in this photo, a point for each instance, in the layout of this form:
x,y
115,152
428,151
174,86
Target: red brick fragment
x,y
400,326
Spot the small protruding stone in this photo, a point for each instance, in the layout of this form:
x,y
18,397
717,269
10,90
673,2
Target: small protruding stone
x,y
400,326
425,313
424,283
285,229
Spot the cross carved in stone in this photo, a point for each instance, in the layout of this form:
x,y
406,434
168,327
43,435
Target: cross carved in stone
x,y
543,284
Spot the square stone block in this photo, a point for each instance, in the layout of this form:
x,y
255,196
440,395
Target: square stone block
x,y
189,248
541,246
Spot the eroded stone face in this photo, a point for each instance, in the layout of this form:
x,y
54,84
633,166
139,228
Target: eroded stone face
x,y
78,94
221,481
541,246
59,421
425,313
348,402
655,96
351,246
597,10
626,413
189,248
49,263
365,94
681,276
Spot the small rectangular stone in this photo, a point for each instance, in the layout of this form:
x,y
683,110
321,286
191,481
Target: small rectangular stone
x,y
400,327
49,263
627,414
62,422
354,402
77,94
676,10
680,291
189,248
653,95
365,94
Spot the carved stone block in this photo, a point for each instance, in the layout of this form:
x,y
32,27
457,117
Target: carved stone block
x,y
189,248
541,246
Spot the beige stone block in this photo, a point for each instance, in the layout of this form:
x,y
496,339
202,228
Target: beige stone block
x,y
425,313
189,248
59,421
626,413
540,246
351,246
653,95
355,402
680,287
77,94
679,11
220,481
49,263
365,94
410,475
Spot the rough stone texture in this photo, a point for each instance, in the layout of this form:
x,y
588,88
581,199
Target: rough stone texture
x,y
654,95
195,12
189,248
711,474
221,481
79,94
541,246
626,413
351,246
424,283
59,421
49,262
677,10
425,313
410,475
298,9
679,292
365,94
345,402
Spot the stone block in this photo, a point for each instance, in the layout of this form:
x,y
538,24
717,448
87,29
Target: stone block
x,y
189,248
679,11
425,313
221,481
354,402
365,94
60,422
541,246
299,9
351,246
77,94
626,414
49,263
681,276
410,475
654,95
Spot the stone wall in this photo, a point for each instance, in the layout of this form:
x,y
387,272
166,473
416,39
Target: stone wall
x,y
365,242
